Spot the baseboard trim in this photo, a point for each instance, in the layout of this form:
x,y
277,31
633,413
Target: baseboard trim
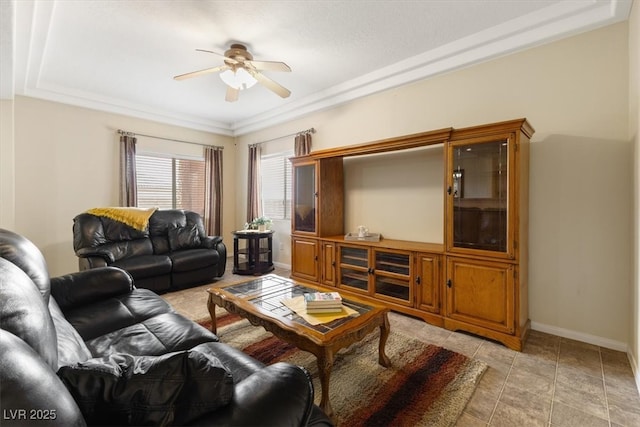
x,y
281,265
581,336
635,368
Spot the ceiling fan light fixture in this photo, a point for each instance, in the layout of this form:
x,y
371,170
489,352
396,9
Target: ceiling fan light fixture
x,y
238,79
239,72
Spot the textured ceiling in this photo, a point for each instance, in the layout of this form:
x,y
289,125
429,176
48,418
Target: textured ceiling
x,y
120,56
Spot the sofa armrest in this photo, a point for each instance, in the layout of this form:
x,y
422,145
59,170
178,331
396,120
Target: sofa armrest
x,y
210,242
91,262
215,242
277,395
168,389
30,386
88,286
222,249
98,252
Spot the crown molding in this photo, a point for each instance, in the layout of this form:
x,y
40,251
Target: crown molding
x,y
117,106
535,29
560,20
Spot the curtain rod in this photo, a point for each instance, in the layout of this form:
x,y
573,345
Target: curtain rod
x,y
310,130
123,132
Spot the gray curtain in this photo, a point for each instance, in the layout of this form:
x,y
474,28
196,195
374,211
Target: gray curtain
x,y
213,190
128,180
302,144
254,207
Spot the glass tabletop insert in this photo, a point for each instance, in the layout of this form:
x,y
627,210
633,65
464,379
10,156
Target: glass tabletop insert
x,y
269,291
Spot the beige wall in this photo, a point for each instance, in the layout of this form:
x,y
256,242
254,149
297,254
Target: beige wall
x,y
7,194
634,133
397,194
575,94
66,161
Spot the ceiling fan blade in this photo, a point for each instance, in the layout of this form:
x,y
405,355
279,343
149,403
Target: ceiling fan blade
x,y
232,94
226,58
201,72
270,84
269,65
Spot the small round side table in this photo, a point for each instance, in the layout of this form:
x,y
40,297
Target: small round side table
x,y
252,252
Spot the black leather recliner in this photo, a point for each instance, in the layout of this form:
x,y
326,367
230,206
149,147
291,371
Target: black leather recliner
x,y
172,253
89,348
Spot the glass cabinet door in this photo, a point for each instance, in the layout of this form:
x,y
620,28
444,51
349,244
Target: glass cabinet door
x,y
304,182
354,267
392,275
479,195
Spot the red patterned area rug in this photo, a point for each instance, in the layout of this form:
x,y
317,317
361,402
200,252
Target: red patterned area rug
x,y
425,386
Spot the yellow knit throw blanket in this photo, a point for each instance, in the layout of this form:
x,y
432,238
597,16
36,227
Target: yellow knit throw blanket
x,y
137,218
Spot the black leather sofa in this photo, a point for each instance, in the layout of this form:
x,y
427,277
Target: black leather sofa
x,y
172,253
89,348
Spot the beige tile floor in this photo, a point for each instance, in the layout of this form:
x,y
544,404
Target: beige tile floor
x,y
554,381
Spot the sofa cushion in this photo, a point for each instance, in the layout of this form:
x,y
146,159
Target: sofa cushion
x,y
193,259
159,225
71,347
141,267
174,388
24,313
111,314
116,231
90,231
164,219
184,238
157,335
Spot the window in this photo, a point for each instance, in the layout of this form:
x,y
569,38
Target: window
x,y
275,170
170,183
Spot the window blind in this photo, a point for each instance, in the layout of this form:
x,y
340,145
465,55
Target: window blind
x,y
275,170
170,183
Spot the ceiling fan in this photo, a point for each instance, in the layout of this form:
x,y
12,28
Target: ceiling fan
x,y
241,72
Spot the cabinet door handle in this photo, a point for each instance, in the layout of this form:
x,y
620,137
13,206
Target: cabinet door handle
x,y
449,283
449,190
418,280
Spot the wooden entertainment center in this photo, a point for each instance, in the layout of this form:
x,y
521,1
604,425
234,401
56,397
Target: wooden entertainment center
x,y
476,281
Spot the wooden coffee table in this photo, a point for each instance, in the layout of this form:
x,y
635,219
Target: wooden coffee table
x,y
260,301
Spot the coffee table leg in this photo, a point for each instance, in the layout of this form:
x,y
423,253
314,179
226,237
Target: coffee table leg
x,y
325,364
212,312
384,334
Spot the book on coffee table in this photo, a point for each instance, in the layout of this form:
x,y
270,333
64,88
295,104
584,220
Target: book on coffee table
x,y
322,310
322,297
323,302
